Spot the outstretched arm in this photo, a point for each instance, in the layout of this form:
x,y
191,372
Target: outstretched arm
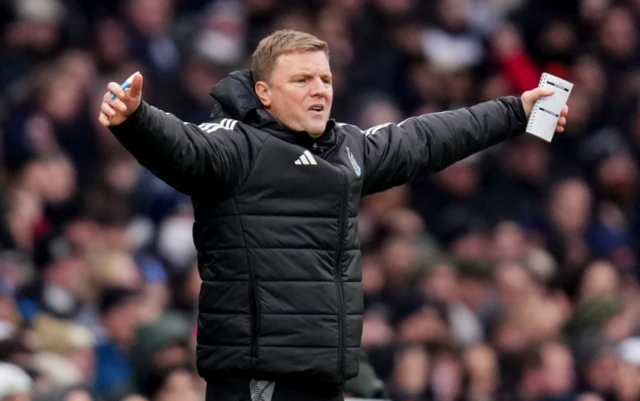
x,y
182,154
395,154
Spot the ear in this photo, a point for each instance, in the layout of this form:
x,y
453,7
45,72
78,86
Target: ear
x,y
264,93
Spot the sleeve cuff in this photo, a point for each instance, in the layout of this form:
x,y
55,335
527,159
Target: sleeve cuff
x,y
131,122
516,110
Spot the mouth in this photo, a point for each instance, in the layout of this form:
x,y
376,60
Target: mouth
x,y
317,109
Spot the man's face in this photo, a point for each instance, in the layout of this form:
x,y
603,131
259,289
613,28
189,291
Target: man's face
x,y
122,321
299,92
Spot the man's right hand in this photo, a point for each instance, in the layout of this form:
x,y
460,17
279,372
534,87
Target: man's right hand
x,y
126,102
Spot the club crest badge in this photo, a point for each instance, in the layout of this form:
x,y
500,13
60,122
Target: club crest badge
x,y
354,163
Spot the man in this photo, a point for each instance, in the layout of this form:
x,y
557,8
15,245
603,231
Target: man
x,y
119,312
276,187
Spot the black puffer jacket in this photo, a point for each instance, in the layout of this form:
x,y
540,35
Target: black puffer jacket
x,y
276,220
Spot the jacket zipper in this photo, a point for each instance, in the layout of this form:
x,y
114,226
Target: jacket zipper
x,y
255,325
338,273
255,321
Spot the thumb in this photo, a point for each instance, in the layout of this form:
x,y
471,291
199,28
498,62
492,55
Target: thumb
x,y
542,92
136,86
530,97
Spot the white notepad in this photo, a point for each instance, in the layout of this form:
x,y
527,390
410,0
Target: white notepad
x,y
546,111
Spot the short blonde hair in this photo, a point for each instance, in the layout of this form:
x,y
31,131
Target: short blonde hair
x,y
282,42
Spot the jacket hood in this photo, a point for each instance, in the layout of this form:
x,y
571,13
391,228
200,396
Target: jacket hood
x,y
235,96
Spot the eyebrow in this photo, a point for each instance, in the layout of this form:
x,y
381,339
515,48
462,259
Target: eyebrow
x,y
308,75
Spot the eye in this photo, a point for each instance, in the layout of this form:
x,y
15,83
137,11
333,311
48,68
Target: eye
x,y
301,80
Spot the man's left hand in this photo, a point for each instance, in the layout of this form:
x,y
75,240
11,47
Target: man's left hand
x,y
529,98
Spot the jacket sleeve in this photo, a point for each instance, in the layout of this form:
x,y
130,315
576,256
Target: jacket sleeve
x,y
395,154
183,154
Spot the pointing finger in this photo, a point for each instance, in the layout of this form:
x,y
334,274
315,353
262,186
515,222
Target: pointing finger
x,y
136,86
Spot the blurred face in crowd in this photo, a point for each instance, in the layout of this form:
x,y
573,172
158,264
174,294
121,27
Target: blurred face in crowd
x,y
590,75
110,36
121,174
299,92
447,378
376,331
18,397
508,241
618,177
412,370
81,66
61,99
454,13
627,381
373,279
559,376
571,206
582,108
121,322
600,373
424,326
114,269
462,179
533,320
379,111
152,17
68,273
78,395
393,7
526,159
482,365
85,360
8,311
600,280
52,179
442,283
558,38
171,355
514,284
25,210
179,386
399,259
589,397
618,34
592,11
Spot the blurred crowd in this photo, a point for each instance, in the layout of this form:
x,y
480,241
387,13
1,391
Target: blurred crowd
x,y
512,275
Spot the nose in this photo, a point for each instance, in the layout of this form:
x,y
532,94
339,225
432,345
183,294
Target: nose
x,y
318,87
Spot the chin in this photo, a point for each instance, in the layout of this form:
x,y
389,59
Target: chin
x,y
316,129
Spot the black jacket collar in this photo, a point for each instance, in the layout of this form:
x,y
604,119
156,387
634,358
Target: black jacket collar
x,y
235,98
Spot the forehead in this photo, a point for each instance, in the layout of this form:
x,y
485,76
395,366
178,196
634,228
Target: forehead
x,y
307,62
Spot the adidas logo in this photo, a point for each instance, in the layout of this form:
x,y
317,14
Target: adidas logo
x,y
225,123
306,158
